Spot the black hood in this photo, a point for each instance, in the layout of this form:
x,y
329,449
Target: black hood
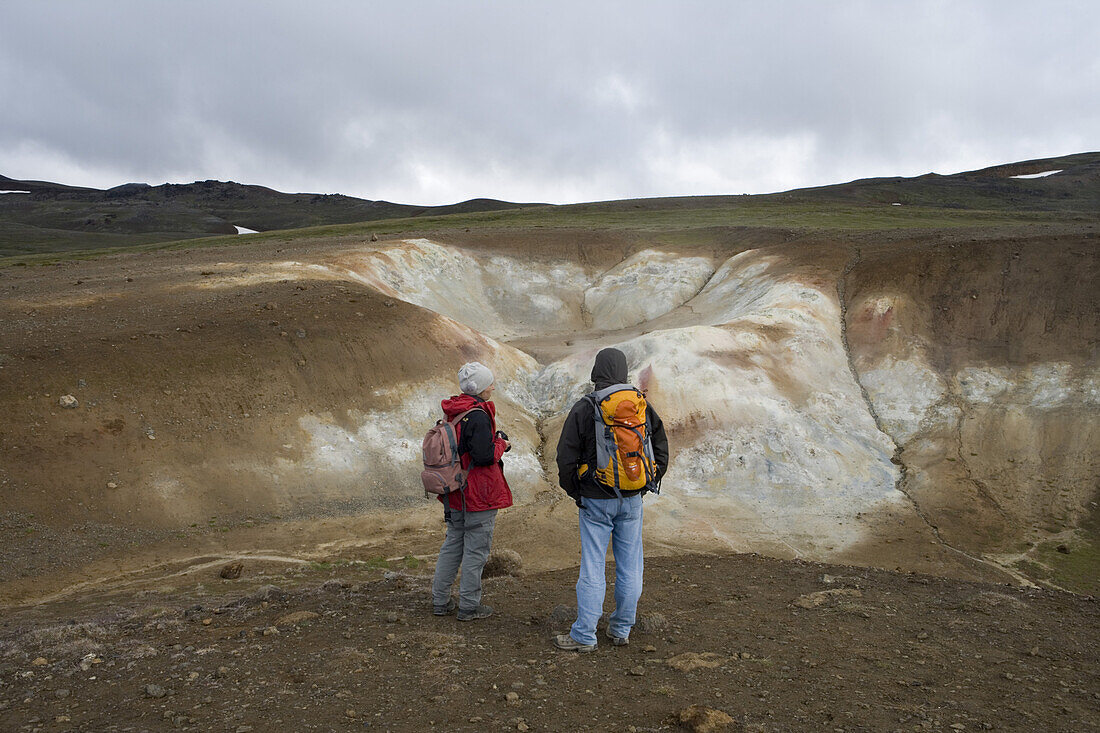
x,y
609,368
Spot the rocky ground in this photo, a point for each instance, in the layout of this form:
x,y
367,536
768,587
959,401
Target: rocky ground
x,y
774,645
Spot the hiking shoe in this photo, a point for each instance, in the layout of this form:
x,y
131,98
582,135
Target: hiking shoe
x,y
445,609
569,644
617,640
475,613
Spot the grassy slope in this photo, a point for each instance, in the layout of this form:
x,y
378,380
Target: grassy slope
x,y
658,215
983,198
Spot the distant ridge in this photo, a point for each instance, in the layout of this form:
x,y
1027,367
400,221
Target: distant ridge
x,y
1076,187
55,216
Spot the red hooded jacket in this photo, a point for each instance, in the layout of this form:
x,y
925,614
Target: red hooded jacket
x,y
486,487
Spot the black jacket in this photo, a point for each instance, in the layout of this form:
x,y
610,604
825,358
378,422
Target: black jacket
x,y
476,438
577,444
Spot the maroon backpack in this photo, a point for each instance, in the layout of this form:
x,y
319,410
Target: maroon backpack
x,y
443,472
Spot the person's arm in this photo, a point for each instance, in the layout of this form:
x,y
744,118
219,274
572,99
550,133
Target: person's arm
x,y
570,450
478,437
659,441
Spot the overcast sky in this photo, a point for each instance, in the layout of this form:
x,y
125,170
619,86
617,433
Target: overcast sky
x,y
437,102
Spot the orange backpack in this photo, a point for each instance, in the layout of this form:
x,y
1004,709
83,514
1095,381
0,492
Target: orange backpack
x,y
624,449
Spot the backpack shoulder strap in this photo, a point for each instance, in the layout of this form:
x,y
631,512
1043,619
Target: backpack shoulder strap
x,y
602,394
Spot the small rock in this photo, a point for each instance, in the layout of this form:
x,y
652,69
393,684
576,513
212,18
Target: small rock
x,y
268,593
638,671
112,485
62,719
503,562
373,237
958,726
271,631
650,623
388,303
207,621
701,719
232,571
244,729
350,713
511,697
562,615
68,402
62,693
522,726
649,648
300,333
155,691
391,617
40,662
271,305
823,597
1061,548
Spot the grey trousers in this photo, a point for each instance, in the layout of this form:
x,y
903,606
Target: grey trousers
x,y
469,537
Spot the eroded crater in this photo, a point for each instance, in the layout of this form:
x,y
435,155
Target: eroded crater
x,y
824,400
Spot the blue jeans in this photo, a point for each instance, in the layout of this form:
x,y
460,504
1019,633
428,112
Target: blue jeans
x,y
619,520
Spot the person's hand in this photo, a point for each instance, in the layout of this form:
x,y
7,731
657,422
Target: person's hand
x,y
574,493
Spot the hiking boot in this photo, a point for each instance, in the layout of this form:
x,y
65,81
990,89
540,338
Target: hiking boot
x,y
445,609
617,640
569,644
475,613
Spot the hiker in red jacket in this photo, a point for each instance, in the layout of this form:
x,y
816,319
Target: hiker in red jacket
x,y
471,514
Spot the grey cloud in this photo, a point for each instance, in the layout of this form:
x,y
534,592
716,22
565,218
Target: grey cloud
x,y
437,102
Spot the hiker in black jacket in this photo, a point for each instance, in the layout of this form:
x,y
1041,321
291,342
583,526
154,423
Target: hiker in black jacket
x,y
606,513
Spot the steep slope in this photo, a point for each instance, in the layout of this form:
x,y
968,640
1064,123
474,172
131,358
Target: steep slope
x,y
136,213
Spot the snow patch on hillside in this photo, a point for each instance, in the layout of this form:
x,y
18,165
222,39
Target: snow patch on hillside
x,y
1044,174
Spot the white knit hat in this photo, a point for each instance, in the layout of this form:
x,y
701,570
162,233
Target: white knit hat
x,y
474,378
